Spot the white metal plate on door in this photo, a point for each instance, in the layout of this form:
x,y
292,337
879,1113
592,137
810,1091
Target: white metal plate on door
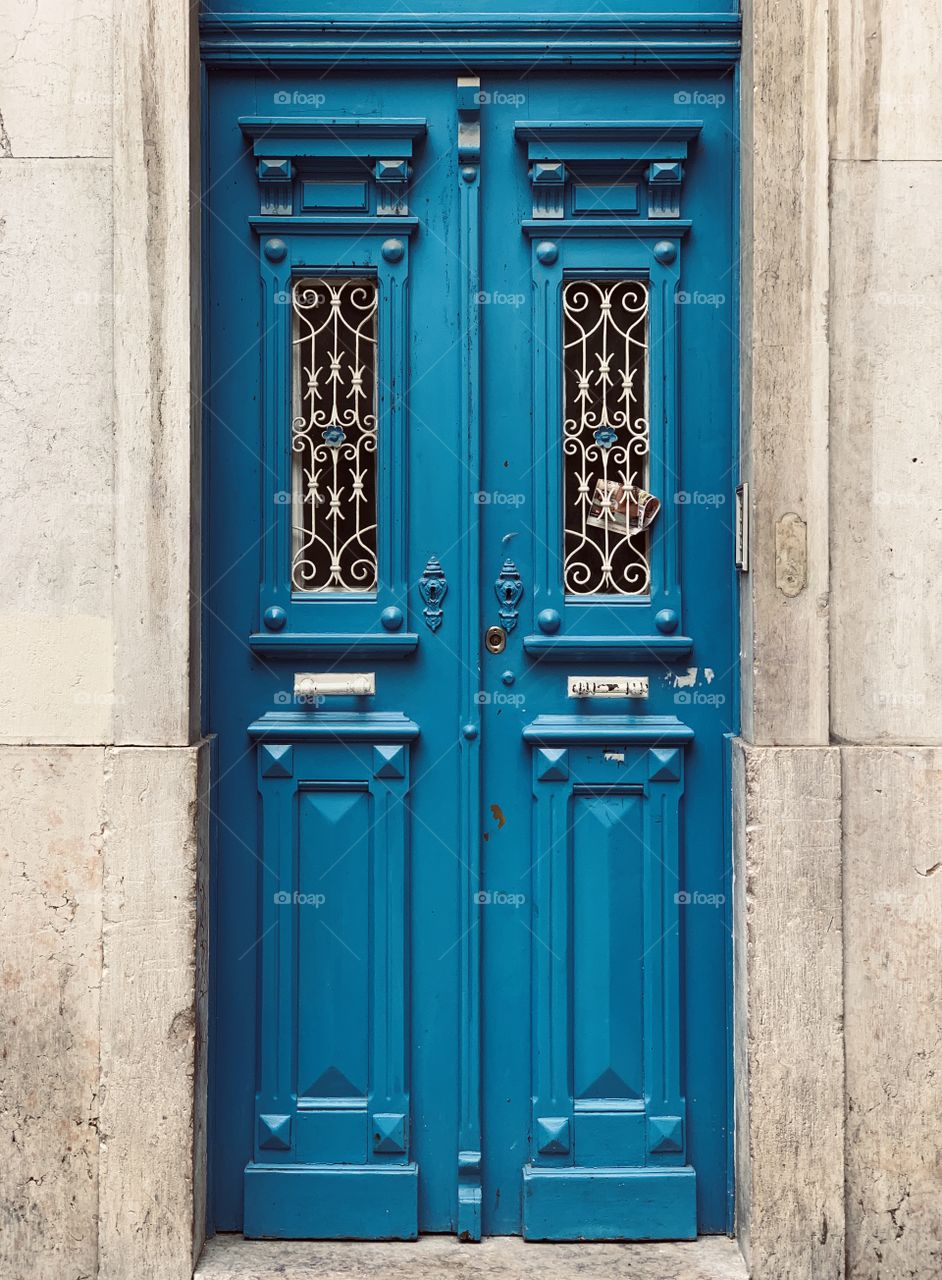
x,y
333,684
607,686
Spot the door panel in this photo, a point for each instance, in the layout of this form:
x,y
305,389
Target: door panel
x,y
333,1100
689,413
471,945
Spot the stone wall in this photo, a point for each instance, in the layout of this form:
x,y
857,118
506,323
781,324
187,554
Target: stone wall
x,y
842,686
838,779
102,840
886,628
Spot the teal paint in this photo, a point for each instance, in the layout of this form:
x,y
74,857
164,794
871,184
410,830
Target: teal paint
x,y
457,985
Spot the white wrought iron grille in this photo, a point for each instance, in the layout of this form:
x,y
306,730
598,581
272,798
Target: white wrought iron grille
x,y
606,438
333,435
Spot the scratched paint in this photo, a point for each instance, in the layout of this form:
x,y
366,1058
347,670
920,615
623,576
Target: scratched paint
x,y
687,681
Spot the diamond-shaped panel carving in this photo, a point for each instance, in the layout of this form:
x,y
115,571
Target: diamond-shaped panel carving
x,y
552,1135
665,765
389,762
389,1134
274,1133
552,764
277,760
665,1134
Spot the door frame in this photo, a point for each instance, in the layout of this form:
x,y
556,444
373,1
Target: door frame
x,y
784,451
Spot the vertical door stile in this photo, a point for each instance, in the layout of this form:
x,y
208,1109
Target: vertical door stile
x,y
666,363
393,361
469,856
389,1097
276,374
662,1002
550,960
277,1091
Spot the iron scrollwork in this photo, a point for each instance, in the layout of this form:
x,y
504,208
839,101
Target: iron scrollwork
x,y
606,439
333,435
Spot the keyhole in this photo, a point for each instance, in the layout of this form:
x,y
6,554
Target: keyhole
x,y
495,639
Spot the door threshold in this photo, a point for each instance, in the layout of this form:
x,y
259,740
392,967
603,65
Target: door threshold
x,y
232,1257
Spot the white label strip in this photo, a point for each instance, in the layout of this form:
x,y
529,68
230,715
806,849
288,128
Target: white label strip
x,y
331,684
607,686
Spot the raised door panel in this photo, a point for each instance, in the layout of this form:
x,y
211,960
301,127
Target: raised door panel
x,y
333,1112
608,1148
607,930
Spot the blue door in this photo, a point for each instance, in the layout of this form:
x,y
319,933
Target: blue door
x,y
469,637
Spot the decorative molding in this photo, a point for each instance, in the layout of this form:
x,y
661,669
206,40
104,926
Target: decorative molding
x,y
627,648
664,182
619,248
303,644
392,186
604,228
509,589
330,225
664,765
557,146
389,761
469,121
552,764
583,1132
468,112
321,137
433,587
277,760
279,143
334,726
665,1134
552,1135
274,1133
455,40
617,140
562,730
360,624
275,180
389,1134
469,1195
548,180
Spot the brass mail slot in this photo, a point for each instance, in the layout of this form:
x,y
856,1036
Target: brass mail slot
x,y
332,684
607,686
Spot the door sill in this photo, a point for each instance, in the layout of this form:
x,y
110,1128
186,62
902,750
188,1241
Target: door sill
x,y
232,1257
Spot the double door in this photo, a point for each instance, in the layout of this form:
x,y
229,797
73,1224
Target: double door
x,y
469,651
